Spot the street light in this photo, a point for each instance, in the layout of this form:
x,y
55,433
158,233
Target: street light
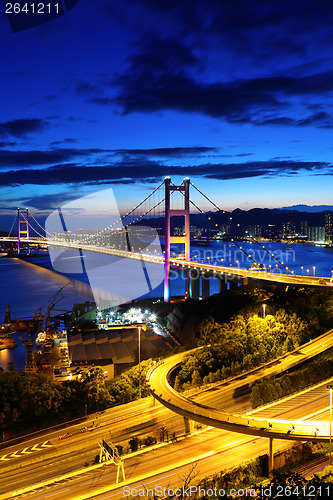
x,y
302,270
314,270
330,387
139,362
264,311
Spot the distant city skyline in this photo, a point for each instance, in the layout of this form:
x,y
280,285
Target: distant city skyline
x,y
235,95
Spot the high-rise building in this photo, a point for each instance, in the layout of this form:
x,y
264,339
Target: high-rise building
x,y
254,231
304,228
288,229
316,233
329,228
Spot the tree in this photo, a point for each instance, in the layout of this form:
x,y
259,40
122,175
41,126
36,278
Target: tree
x,y
196,379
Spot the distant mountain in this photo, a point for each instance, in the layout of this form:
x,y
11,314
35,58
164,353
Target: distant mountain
x,y
309,208
264,217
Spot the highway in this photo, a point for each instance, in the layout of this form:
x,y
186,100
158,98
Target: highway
x,y
210,448
246,424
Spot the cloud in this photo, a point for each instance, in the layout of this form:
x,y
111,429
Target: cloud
x,y
68,140
129,172
35,157
194,55
11,159
245,101
22,127
48,201
6,144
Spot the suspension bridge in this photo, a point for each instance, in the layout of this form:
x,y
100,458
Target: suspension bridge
x,y
114,240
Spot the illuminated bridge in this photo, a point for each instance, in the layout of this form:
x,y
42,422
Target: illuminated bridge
x,y
193,270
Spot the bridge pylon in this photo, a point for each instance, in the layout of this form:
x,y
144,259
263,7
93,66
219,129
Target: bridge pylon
x,y
185,239
23,228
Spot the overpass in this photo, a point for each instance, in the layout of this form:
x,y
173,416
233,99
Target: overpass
x,y
158,380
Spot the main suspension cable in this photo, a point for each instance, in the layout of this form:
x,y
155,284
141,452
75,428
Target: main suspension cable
x,y
240,227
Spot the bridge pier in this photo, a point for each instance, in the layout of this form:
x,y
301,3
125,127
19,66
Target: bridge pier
x,y
188,287
205,283
195,284
233,285
189,425
270,458
223,283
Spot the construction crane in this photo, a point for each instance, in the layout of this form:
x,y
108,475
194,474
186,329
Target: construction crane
x,y
51,305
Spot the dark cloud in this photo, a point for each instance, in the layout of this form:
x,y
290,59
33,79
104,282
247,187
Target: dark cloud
x,y
270,168
182,93
22,127
49,201
68,140
237,101
101,100
7,144
194,55
57,155
150,171
30,158
161,5
175,152
320,120
86,88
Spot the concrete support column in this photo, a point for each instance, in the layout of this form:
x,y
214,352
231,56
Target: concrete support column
x,y
205,280
270,458
195,283
245,280
222,283
188,291
233,285
189,425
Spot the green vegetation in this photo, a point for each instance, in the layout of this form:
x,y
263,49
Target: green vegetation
x,y
125,387
274,388
29,401
245,342
235,338
312,305
294,486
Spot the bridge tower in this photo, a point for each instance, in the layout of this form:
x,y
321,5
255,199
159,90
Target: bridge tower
x,y
23,227
176,239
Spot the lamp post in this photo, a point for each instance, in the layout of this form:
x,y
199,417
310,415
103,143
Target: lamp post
x,y
139,362
264,311
314,270
330,387
302,270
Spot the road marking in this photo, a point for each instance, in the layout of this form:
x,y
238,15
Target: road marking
x,y
47,444
27,451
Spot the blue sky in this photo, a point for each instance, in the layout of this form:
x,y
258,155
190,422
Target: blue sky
x,y
235,95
